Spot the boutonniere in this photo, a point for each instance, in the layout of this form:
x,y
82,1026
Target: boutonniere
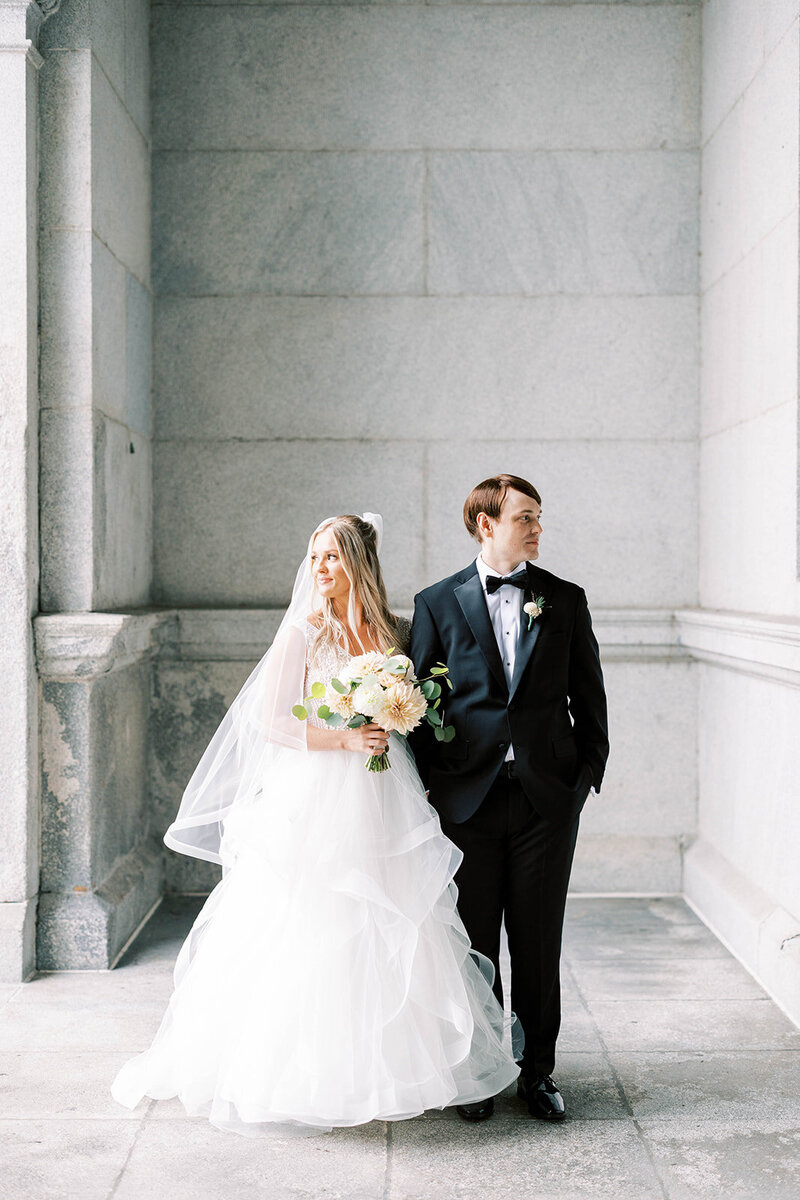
x,y
534,609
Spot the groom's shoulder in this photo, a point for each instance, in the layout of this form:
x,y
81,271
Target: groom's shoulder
x,y
552,584
445,587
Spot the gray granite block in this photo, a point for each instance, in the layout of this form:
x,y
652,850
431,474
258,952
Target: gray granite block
x,y
397,76
566,367
230,541
296,223
541,223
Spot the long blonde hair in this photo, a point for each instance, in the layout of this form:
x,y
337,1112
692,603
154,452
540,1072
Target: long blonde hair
x,y
357,543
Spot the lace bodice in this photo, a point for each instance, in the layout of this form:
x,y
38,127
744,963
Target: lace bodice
x,y
329,660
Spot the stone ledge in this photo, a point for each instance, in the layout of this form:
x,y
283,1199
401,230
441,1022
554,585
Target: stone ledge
x,y
763,935
751,644
72,646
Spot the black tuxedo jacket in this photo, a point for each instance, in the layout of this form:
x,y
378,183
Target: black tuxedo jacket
x,y
554,713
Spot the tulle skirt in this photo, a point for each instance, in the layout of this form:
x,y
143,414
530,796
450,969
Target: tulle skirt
x,y
328,979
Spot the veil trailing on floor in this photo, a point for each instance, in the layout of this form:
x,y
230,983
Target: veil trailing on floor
x,y
257,727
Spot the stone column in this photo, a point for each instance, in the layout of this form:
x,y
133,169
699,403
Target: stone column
x,y
19,862
100,875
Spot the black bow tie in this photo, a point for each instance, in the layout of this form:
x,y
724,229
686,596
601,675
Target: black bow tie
x,y
493,582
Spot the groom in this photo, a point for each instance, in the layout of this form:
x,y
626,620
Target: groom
x,y
529,710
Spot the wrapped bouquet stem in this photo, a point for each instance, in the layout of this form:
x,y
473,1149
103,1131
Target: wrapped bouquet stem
x,y
381,688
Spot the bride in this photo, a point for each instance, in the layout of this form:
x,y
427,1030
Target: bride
x,y
328,979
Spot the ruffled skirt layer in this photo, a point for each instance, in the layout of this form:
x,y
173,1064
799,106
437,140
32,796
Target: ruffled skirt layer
x,y
328,979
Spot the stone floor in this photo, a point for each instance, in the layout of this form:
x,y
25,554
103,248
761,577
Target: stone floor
x,y
682,1080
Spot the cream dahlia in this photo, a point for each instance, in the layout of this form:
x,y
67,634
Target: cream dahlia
x,y
404,706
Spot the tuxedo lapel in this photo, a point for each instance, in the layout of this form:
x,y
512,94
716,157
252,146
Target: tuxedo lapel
x,y
527,637
473,605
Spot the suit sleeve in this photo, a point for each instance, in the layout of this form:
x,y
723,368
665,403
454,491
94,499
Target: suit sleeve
x,y
587,696
426,649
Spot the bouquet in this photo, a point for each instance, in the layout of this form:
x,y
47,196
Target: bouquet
x,y
382,688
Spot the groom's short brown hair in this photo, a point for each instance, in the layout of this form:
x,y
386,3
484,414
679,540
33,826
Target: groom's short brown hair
x,y
488,497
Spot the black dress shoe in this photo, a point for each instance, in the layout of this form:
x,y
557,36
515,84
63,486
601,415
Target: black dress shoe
x,y
544,1099
476,1112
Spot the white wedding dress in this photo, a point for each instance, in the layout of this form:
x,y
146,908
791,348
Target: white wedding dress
x,y
328,979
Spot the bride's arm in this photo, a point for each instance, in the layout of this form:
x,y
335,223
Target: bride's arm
x,y
368,739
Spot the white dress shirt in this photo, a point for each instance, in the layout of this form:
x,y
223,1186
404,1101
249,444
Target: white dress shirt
x,y
505,613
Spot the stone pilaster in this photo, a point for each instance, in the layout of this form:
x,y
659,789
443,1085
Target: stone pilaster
x,y
19,65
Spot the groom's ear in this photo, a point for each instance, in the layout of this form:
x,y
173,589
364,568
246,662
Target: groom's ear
x,y
484,526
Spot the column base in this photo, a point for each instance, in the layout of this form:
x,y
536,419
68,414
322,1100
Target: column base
x,y
87,930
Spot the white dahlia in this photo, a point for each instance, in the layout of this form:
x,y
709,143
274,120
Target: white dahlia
x,y
368,701
365,664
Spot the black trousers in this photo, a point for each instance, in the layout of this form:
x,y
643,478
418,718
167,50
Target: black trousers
x,y
516,867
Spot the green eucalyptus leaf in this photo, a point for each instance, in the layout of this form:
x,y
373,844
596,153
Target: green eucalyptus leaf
x,y
357,721
323,712
317,690
427,688
334,721
433,717
439,734
299,712
449,732
339,687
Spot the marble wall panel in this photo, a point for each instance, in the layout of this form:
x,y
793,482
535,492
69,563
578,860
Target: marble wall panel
x,y
258,367
108,331
749,172
397,76
122,515
138,356
748,801
304,223
232,519
563,222
120,179
137,63
618,517
747,534
738,35
749,333
650,786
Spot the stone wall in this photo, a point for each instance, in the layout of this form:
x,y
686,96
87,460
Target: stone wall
x,y
398,248
742,873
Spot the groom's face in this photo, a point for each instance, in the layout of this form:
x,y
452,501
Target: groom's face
x,y
514,536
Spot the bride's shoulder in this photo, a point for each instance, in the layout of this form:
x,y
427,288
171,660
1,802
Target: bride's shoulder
x,y
314,619
403,630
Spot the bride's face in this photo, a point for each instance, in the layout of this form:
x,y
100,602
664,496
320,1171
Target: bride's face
x,y
326,568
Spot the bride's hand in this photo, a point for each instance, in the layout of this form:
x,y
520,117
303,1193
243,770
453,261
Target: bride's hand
x,y
367,739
